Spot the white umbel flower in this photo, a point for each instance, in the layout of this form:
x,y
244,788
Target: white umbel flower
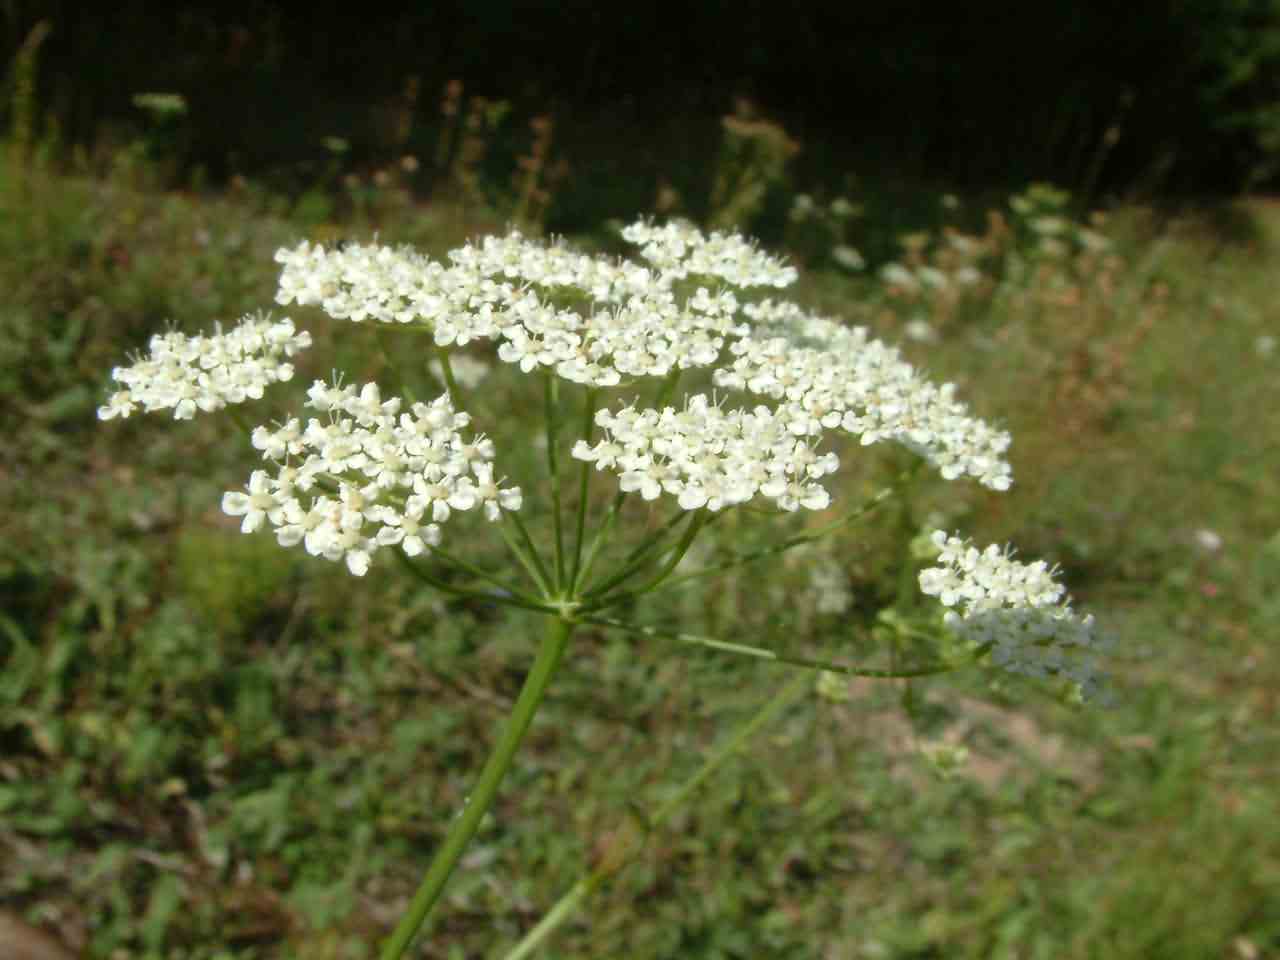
x,y
504,288
1018,610
826,375
186,374
679,311
709,457
679,250
368,476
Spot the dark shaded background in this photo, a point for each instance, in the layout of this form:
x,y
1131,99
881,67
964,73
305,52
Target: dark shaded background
x,y
1159,96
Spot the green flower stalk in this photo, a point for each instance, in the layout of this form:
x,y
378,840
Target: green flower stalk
x,y
477,805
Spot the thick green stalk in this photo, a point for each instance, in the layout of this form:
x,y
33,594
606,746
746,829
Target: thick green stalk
x,y
554,642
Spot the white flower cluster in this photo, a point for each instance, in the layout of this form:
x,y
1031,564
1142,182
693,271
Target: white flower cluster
x,y
596,321
680,250
863,387
206,373
709,457
925,278
1017,609
829,587
636,326
368,476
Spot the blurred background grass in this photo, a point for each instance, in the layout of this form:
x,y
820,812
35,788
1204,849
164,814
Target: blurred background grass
x,y
212,748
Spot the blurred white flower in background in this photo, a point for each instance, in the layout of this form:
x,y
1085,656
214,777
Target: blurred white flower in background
x,y
1208,540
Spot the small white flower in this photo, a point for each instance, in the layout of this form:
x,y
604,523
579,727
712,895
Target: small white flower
x,y
848,257
1017,610
398,475
256,505
1092,241
1049,226
933,278
407,528
841,208
119,404
896,276
921,331
1208,540
493,497
829,585
187,374
801,207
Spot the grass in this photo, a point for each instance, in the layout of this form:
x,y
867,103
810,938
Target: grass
x,y
213,748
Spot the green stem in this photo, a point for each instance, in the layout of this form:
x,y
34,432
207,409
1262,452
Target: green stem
x,y
481,574
907,586
451,385
516,600
604,533
584,482
666,388
601,599
401,386
761,653
238,419
592,882
686,541
638,558
906,590
419,328
791,542
463,828
563,909
551,397
773,707
526,554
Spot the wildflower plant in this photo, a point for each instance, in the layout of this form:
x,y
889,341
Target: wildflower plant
x,y
1032,257
699,393
820,231
753,159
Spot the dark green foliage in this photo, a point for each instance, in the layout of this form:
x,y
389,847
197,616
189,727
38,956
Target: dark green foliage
x,y
1151,94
